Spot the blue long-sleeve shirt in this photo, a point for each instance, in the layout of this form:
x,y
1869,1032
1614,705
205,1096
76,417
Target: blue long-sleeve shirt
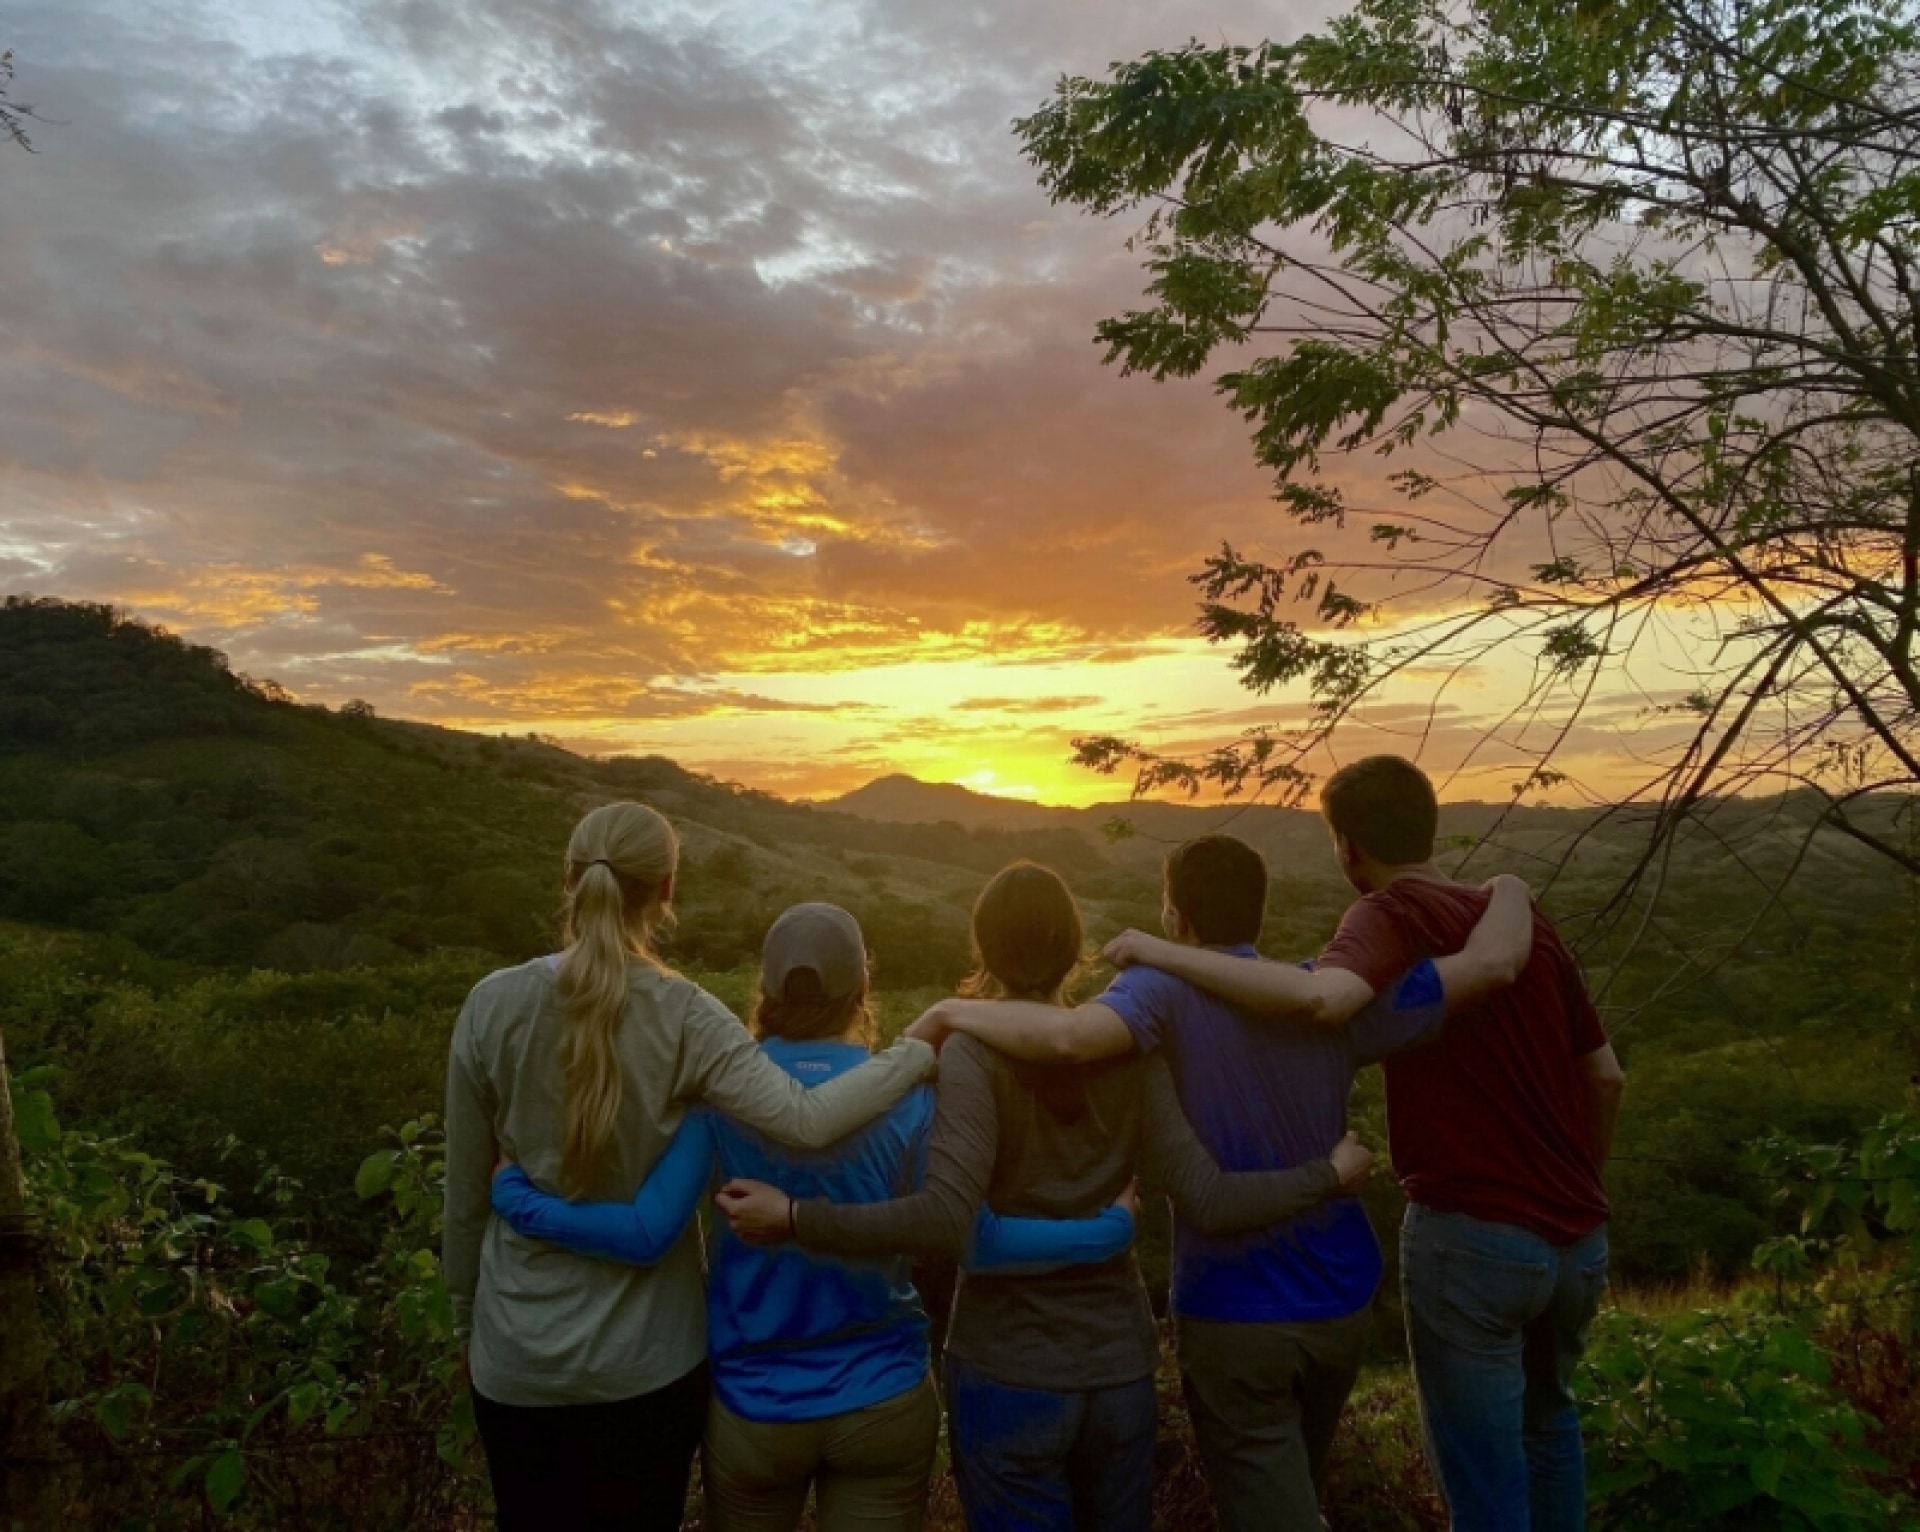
x,y
793,1335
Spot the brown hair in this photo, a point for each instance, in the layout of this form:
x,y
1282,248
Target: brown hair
x,y
1219,886
1386,806
801,1014
620,864
1029,944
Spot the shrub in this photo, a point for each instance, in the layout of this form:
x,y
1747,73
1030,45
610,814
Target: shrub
x,y
1722,1418
204,1361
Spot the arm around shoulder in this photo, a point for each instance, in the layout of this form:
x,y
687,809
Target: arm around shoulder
x,y
722,1065
1496,950
938,1219
1027,1029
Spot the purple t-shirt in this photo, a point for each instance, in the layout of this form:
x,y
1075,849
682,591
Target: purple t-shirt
x,y
1265,1095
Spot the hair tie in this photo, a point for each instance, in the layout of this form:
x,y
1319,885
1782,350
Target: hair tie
x,y
601,861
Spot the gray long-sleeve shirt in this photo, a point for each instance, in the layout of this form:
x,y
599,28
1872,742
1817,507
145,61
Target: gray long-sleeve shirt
x,y
551,1327
1086,1327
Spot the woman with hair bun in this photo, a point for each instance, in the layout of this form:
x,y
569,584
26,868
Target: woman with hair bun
x,y
589,1378
1050,1394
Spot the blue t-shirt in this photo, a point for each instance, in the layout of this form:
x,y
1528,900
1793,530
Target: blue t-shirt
x,y
1264,1095
796,1335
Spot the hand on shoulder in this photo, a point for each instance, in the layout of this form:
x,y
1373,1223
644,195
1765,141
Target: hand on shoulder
x,y
1133,948
933,1026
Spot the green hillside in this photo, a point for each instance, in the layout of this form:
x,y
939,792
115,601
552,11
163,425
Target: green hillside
x,y
233,915
235,930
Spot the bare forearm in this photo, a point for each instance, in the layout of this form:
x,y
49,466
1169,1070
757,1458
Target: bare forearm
x,y
1280,990
1026,1029
1021,1029
1496,949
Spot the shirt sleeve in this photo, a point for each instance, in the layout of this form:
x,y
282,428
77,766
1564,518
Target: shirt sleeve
x,y
1371,944
938,1219
471,1152
1413,1012
1142,998
639,1232
1032,1247
722,1065
1210,1199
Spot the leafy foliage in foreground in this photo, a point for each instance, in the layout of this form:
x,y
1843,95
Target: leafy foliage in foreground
x,y
209,1360
1758,1412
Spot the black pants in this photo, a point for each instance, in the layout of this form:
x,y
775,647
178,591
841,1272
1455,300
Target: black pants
x,y
618,1467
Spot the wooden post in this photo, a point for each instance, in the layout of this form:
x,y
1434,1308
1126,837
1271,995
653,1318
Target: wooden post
x,y
30,1487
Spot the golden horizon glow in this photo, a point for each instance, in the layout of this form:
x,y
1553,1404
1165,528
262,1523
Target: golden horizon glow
x,y
740,410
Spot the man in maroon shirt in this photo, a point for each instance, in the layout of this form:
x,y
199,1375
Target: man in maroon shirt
x,y
1498,1132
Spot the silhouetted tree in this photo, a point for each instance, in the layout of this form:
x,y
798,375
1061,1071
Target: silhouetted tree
x,y
1628,288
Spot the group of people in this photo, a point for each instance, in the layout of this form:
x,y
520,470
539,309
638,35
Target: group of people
x,y
596,1099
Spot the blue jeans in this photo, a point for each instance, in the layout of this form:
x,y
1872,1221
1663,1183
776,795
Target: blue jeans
x,y
1028,1460
1496,1321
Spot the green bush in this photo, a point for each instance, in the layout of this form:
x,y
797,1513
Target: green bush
x,y
1722,1418
207,1361
1753,1413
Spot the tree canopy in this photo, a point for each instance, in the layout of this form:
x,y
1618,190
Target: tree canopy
x,y
1628,292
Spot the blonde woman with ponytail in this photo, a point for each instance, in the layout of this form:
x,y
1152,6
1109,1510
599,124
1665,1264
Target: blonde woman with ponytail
x,y
589,1378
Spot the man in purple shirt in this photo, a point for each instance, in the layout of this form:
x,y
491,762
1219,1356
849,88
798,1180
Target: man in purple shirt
x,y
1271,1327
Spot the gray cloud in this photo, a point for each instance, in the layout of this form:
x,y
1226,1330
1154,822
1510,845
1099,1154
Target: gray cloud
x,y
584,350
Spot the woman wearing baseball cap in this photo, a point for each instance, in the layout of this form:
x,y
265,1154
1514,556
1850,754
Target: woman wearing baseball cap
x,y
820,1366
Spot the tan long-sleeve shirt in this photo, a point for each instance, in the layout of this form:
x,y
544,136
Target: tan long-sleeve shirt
x,y
551,1327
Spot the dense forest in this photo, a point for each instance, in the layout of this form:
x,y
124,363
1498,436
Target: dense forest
x,y
235,929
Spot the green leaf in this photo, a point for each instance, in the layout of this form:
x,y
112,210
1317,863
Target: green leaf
x,y
34,1122
1765,1469
376,1173
302,1400
281,1299
255,1233
115,1409
226,1477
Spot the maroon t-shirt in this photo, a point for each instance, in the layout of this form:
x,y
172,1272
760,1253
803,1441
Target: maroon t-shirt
x,y
1494,1119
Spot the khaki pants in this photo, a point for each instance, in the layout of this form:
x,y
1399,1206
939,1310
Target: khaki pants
x,y
869,1468
1265,1400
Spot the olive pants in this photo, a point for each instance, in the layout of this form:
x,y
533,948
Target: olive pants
x,y
869,1468
1265,1400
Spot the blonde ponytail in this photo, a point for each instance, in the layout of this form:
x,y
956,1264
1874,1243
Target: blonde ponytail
x,y
620,866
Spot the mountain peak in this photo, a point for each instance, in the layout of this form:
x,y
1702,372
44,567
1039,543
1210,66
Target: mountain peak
x,y
901,799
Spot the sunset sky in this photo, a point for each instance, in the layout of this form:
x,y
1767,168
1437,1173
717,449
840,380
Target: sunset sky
x,y
708,379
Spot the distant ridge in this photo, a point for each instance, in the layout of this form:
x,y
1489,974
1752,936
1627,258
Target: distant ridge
x,y
901,799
